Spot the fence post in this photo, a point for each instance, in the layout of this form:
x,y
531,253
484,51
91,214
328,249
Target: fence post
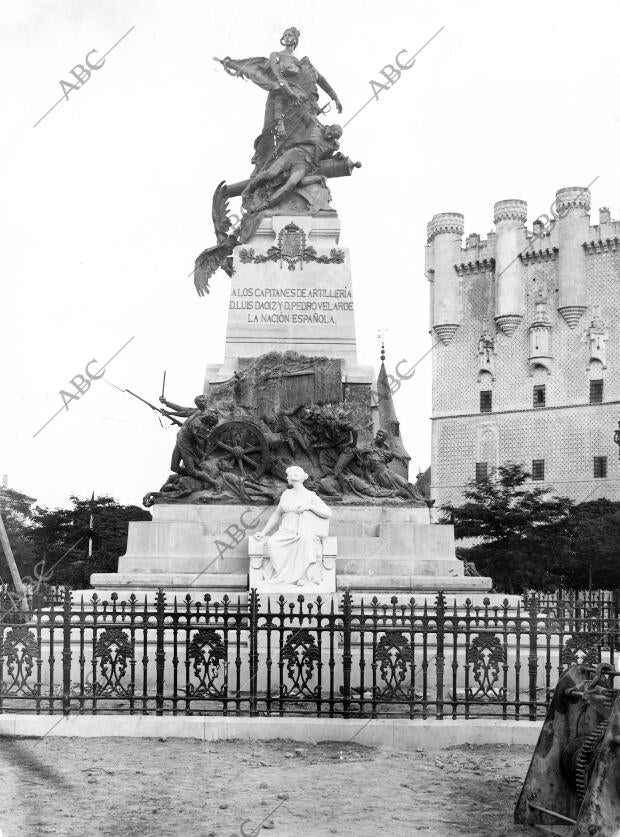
x,y
532,660
66,653
160,654
440,613
254,602
346,653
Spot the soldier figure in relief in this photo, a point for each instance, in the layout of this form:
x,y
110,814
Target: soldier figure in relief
x,y
193,436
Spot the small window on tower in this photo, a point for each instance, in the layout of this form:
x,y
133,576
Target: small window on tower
x,y
486,400
482,471
539,395
596,391
538,469
600,467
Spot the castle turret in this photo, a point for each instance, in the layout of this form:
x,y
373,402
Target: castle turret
x,y
572,204
444,235
540,338
509,217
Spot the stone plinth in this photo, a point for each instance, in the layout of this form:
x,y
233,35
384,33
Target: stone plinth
x,y
304,306
380,550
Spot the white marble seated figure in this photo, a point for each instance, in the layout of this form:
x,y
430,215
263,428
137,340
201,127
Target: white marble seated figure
x,y
295,549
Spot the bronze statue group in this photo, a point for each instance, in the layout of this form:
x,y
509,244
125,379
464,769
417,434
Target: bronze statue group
x,y
206,469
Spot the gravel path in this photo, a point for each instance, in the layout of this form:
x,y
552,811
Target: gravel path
x,y
129,787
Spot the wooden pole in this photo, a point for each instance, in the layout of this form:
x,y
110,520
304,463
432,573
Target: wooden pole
x,y
10,559
90,525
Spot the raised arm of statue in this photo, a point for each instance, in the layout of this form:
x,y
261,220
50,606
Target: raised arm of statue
x,y
176,409
327,88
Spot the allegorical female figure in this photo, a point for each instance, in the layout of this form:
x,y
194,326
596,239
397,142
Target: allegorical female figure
x,y
295,548
292,101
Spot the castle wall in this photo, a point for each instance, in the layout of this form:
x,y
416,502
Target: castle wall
x,y
563,333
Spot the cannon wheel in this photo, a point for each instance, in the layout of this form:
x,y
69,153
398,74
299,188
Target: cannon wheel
x,y
241,443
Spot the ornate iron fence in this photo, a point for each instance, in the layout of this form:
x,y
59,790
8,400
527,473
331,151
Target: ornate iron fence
x,y
589,606
341,656
37,594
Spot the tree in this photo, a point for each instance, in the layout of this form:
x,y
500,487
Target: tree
x,y
594,535
523,537
16,511
61,538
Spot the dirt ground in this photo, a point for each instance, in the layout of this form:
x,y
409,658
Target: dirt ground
x,y
129,787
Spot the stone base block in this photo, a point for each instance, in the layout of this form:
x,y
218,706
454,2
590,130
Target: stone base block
x,y
415,583
152,581
291,591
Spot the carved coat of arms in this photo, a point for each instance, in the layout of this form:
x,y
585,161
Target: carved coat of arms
x,y
291,249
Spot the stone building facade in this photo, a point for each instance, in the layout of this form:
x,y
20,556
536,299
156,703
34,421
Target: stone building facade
x,y
526,366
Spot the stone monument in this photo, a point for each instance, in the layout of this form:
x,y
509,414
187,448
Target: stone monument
x,y
289,398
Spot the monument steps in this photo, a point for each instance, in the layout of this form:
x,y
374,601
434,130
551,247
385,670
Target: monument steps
x,y
207,562
199,548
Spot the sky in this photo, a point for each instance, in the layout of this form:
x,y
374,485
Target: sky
x,y
106,201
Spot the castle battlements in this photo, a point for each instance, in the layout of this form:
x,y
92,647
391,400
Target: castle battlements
x,y
564,235
542,240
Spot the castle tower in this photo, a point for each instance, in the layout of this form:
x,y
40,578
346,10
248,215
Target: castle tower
x,y
444,234
530,376
509,217
572,206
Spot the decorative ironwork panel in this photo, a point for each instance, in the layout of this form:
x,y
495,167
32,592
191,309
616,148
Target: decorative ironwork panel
x,y
113,651
208,655
300,653
394,655
485,654
581,649
20,651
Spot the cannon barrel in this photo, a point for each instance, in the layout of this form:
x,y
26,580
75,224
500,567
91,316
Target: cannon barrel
x,y
332,167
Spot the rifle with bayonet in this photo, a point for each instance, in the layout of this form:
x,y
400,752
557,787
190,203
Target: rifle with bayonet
x,y
157,409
